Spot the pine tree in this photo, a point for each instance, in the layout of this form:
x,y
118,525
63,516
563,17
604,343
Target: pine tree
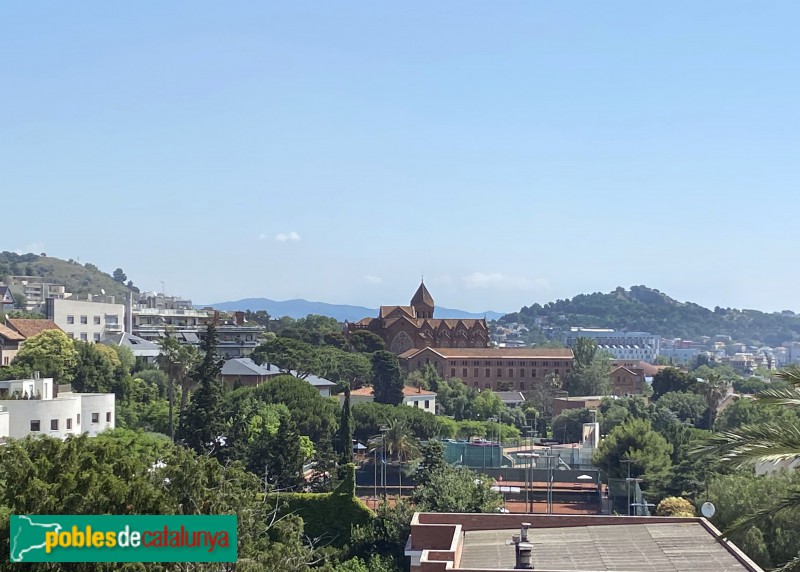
x,y
387,380
346,429
203,425
283,464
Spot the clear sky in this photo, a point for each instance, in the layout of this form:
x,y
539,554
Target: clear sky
x,y
515,152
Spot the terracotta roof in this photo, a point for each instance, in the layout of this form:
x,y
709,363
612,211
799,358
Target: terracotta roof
x,y
626,369
29,328
386,310
10,334
408,391
422,296
513,353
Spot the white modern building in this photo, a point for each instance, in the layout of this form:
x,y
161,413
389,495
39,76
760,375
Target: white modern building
x,y
641,346
86,320
28,407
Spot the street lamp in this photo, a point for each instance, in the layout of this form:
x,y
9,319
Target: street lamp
x,y
528,478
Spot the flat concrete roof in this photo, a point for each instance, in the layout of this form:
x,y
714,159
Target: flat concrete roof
x,y
657,547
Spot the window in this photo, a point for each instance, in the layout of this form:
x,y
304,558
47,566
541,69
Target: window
x,y
452,372
499,372
5,360
95,418
522,373
464,372
97,320
84,337
84,320
35,425
54,425
108,417
69,422
78,419
427,404
522,386
70,319
488,372
97,337
510,372
475,372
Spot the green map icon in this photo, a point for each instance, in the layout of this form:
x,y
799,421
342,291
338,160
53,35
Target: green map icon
x,y
28,536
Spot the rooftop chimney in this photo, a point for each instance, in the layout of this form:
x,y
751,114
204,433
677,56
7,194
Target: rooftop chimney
x,y
523,549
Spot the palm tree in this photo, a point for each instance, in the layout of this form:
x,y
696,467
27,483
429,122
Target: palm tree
x,y
713,388
766,442
402,444
177,361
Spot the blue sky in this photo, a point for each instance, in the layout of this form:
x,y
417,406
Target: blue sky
x,y
514,152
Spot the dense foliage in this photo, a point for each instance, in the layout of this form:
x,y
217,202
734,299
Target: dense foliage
x,y
645,309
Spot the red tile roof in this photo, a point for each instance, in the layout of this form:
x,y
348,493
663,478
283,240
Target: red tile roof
x,y
408,391
29,328
10,334
499,353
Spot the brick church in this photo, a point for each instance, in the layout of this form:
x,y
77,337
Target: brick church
x,y
413,327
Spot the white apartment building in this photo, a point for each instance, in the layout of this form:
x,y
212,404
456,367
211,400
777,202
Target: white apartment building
x,y
641,346
86,320
68,414
37,292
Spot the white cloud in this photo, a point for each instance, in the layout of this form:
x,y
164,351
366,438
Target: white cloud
x,y
500,281
373,279
262,236
286,237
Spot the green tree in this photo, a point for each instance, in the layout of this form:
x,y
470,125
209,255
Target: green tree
x,y
713,388
432,461
457,489
568,425
688,407
288,354
675,506
487,404
362,341
178,362
51,353
590,371
204,420
94,372
636,441
453,398
119,276
387,379
346,429
279,455
401,444
671,379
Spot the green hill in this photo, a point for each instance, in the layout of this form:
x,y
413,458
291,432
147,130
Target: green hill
x,y
78,278
648,310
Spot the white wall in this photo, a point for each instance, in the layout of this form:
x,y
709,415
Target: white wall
x,y
23,411
103,406
4,423
419,402
111,318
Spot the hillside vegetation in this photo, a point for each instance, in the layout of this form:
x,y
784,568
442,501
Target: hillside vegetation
x,y
646,309
77,278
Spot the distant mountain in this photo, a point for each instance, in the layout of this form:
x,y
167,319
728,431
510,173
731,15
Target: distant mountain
x,y
300,308
645,309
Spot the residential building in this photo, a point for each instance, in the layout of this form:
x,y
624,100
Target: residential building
x,y
30,327
6,299
413,327
140,348
246,372
37,292
87,320
627,381
324,386
505,369
420,398
621,345
561,404
10,341
511,398
235,340
488,542
33,409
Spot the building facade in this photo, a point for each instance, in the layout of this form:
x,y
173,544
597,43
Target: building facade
x,y
403,328
413,397
42,413
621,345
504,369
86,320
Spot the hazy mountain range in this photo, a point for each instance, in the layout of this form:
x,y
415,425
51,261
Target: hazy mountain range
x,y
300,308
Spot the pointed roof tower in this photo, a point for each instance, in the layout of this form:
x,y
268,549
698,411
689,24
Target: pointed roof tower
x,y
423,302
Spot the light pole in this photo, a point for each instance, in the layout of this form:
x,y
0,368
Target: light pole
x,y
528,478
628,481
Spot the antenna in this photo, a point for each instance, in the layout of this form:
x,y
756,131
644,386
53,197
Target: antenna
x,y
163,288
103,291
